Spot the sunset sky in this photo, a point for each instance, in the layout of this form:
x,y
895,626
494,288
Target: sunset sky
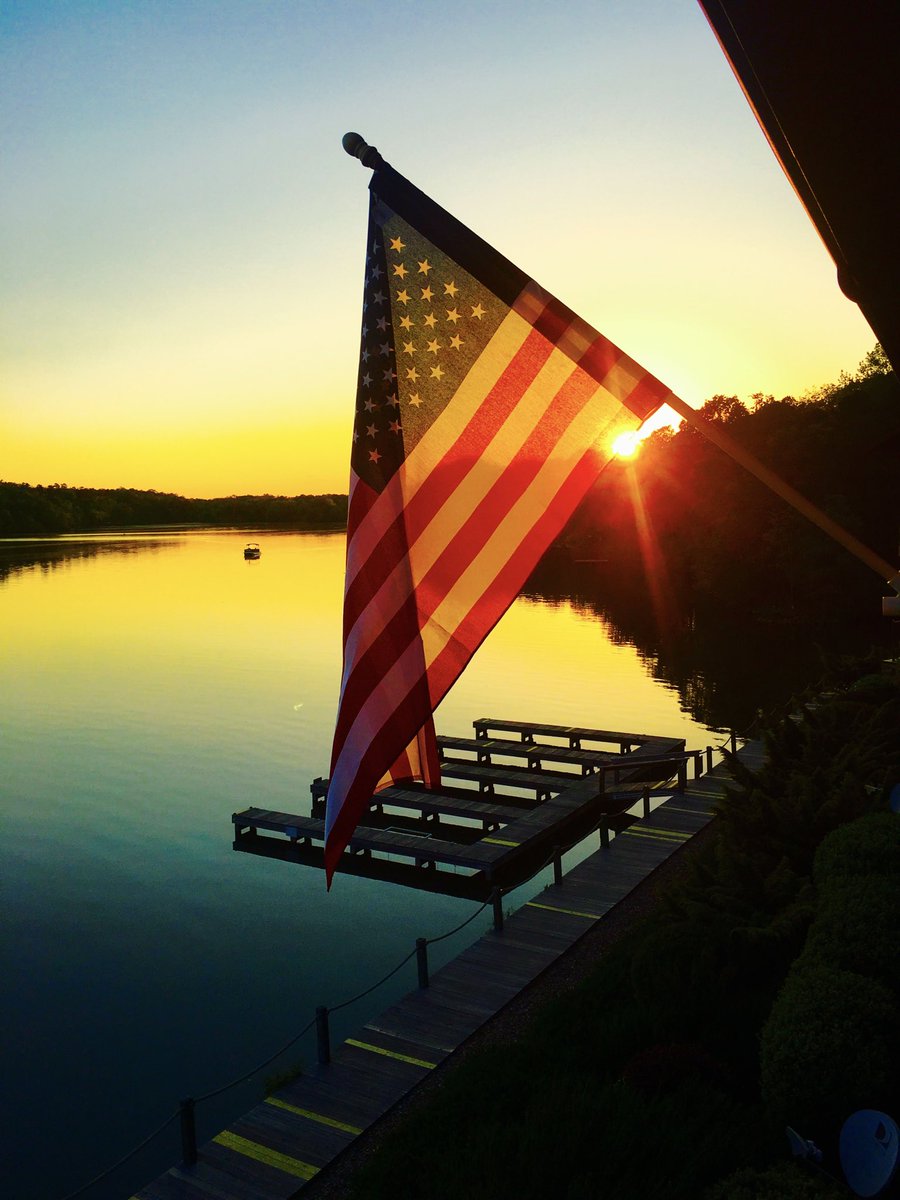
x,y
183,236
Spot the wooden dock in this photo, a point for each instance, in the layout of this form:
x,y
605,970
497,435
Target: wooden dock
x,y
504,805
272,1151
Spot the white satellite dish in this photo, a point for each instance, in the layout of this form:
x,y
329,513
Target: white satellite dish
x,y
869,1148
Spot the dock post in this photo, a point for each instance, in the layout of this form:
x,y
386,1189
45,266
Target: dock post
x,y
604,833
646,802
323,1040
733,742
497,900
188,1133
557,865
709,758
422,961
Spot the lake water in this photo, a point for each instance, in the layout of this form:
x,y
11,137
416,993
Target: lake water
x,y
153,684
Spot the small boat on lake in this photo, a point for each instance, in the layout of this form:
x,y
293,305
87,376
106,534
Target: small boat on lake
x,y
251,550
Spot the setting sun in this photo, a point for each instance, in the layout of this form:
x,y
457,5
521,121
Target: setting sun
x,y
626,444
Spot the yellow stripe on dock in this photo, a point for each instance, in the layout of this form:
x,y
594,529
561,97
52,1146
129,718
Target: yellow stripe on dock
x,y
570,912
264,1154
304,1112
500,842
416,1062
653,837
672,833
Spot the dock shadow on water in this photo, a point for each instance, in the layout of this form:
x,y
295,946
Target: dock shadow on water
x,y
155,683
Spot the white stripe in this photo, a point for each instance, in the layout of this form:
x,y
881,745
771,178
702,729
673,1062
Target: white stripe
x,y
457,508
424,457
601,410
389,693
477,579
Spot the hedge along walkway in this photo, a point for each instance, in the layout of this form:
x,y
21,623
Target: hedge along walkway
x,y
277,1147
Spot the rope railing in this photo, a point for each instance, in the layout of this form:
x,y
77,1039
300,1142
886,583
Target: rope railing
x,y
320,1020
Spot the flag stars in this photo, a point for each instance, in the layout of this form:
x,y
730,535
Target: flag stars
x,y
456,342
366,380
427,293
374,456
478,312
379,298
424,267
415,400
370,405
392,400
399,270
450,289
382,324
431,320
437,373
397,245
376,272
384,348
394,426
403,298
370,430
434,346
389,376
412,374
406,323
453,315
409,348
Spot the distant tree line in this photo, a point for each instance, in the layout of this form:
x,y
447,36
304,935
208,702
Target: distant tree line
x,y
34,511
692,532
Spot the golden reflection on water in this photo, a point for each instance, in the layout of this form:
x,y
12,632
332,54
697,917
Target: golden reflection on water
x,y
192,609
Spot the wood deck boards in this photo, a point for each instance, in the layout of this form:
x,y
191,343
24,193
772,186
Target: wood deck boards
x,y
440,829
270,1151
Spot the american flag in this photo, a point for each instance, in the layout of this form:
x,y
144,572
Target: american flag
x,y
485,410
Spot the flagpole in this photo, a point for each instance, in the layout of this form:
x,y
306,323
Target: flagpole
x,y
714,432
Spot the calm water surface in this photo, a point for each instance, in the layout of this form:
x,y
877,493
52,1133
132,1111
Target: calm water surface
x,y
152,685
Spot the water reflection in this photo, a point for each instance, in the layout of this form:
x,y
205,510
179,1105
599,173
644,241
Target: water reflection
x,y
729,674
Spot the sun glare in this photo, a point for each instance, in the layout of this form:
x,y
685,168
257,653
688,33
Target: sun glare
x,y
626,444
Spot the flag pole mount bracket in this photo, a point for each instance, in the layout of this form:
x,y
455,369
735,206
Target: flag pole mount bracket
x,y
357,147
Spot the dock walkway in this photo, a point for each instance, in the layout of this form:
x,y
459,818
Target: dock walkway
x,y
271,1152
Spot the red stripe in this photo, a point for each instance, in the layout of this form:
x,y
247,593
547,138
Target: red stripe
x,y
395,733
404,628
503,589
368,670
554,320
387,745
457,462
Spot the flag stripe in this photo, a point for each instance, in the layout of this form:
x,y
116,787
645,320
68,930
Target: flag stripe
x,y
463,526
402,487
466,573
442,504
434,469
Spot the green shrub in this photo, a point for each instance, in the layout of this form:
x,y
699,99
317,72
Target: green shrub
x,y
856,927
675,977
828,1048
867,846
787,1181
